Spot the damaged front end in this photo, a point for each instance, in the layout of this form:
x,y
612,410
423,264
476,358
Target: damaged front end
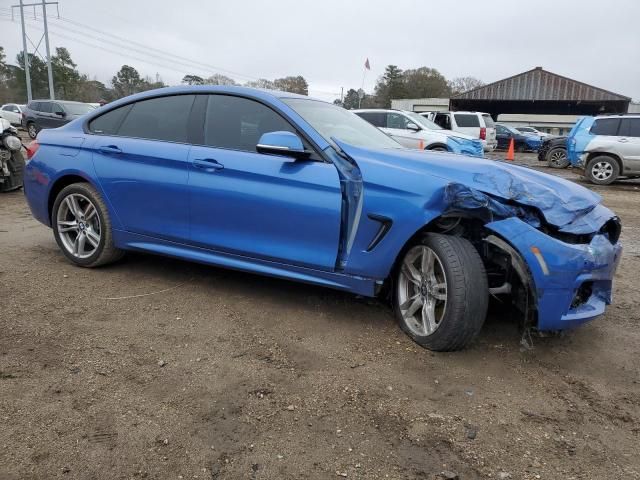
x,y
557,274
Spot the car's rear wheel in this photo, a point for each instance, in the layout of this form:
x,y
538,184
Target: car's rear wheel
x,y
82,226
557,158
441,292
602,170
32,130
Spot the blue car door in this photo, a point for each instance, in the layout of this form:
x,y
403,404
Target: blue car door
x,y
141,158
262,206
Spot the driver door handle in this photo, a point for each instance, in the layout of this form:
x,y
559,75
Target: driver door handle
x,y
109,149
208,164
623,140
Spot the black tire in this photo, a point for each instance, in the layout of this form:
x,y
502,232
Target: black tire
x,y
16,170
437,148
605,164
105,252
467,293
32,130
557,158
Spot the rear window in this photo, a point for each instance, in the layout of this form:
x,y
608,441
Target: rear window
x,y
467,120
488,121
605,126
630,127
109,123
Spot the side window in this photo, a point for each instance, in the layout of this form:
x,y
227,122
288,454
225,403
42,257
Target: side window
x,y
605,126
467,120
109,123
15,109
442,119
376,119
7,108
44,107
238,123
163,118
630,127
56,107
396,120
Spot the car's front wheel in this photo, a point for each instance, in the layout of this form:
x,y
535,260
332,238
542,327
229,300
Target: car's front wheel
x,y
441,293
82,226
557,158
602,170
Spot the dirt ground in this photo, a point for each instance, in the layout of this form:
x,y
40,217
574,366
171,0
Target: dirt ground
x,y
225,375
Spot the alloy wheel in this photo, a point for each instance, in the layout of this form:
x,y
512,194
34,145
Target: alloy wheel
x,y
422,290
78,224
602,170
558,158
32,131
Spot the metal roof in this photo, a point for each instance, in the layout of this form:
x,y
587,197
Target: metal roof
x,y
537,85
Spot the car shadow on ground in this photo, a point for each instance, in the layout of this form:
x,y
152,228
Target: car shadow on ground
x,y
501,329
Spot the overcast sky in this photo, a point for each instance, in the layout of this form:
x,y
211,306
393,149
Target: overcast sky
x,y
327,41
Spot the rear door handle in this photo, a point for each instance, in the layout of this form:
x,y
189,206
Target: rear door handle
x,y
623,140
208,164
109,149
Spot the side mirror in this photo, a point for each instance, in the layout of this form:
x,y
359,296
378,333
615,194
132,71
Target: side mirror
x,y
412,126
60,113
282,143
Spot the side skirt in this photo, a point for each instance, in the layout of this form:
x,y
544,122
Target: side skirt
x,y
339,281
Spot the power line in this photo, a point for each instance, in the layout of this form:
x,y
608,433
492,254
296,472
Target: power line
x,y
141,50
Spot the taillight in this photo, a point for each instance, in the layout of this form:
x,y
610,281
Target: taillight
x,y
32,148
483,133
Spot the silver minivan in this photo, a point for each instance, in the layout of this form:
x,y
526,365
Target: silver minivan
x,y
477,124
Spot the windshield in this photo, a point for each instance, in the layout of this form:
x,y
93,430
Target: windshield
x,y
333,121
423,121
77,108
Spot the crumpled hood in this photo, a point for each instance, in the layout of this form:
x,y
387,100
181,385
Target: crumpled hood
x,y
561,202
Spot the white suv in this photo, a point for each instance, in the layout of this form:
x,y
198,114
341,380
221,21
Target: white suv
x,y
477,124
414,131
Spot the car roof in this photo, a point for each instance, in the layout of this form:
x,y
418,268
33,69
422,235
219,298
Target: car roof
x,y
256,93
58,101
378,110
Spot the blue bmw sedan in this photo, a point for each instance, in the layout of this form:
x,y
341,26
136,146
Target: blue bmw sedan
x,y
283,185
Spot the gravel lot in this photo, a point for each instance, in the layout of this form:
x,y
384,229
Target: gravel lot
x,y
225,375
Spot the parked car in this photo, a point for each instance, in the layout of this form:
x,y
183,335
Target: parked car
x,y
553,150
606,148
414,131
477,124
40,114
533,131
287,186
12,112
521,142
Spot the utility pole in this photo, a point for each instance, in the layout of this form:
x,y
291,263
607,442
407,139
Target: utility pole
x,y
25,55
52,94
25,52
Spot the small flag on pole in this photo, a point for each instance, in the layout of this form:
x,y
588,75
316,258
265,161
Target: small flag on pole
x,y
366,65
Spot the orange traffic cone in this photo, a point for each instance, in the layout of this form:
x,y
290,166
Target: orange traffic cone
x,y
511,151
